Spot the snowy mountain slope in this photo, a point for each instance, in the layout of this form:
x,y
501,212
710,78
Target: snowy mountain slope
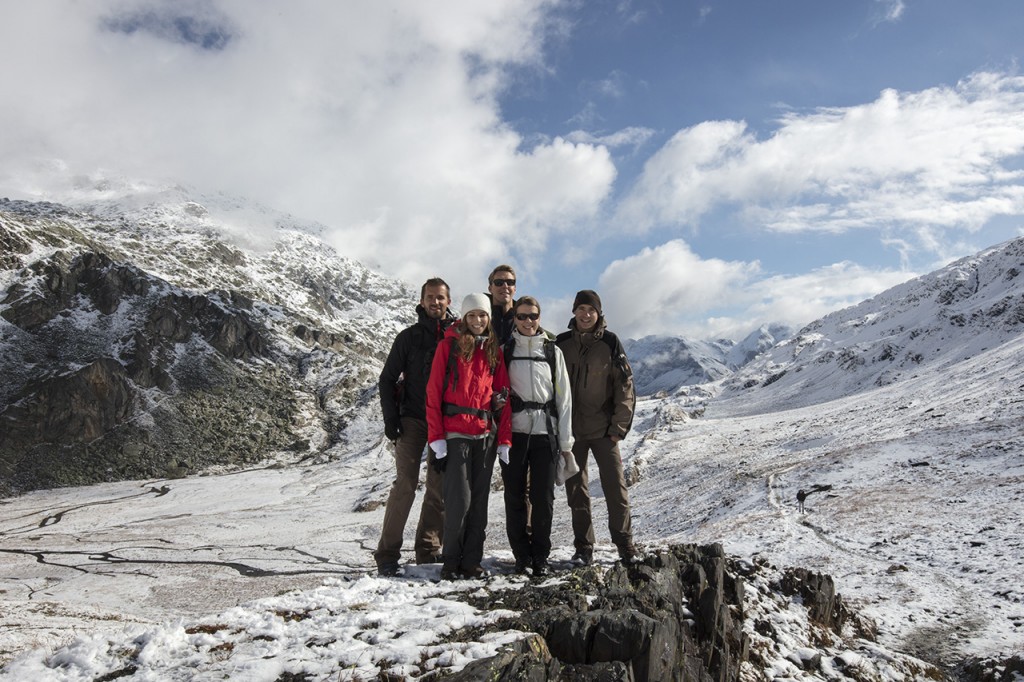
x,y
757,342
913,465
937,320
139,339
920,524
666,363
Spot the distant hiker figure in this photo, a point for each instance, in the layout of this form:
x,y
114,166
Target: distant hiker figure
x,y
802,495
541,403
403,392
602,414
467,372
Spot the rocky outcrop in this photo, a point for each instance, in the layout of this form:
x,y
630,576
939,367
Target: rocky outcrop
x,y
77,407
678,615
1007,670
87,340
226,358
318,337
685,613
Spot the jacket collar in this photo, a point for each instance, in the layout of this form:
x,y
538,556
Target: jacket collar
x,y
436,326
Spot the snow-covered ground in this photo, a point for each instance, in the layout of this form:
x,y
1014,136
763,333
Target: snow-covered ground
x,y
257,573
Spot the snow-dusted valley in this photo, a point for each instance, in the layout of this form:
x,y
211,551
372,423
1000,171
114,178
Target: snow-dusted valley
x,y
882,445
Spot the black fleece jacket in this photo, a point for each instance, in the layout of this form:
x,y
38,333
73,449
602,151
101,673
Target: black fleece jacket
x,y
410,358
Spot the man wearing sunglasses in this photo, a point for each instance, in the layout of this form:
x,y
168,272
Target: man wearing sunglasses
x,y
501,287
602,414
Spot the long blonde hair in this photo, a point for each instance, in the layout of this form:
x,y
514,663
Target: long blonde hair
x,y
467,342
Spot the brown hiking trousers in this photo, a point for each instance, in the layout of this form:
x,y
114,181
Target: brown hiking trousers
x,y
613,483
429,530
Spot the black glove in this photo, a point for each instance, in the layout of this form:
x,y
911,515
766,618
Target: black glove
x,y
392,430
439,464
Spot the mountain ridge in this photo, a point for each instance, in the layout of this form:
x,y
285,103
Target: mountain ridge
x,y
944,317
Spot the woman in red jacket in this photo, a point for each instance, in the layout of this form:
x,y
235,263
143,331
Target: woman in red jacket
x,y
467,372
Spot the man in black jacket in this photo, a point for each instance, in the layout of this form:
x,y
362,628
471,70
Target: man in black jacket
x,y
501,288
403,386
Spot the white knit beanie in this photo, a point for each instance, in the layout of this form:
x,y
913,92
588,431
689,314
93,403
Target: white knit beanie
x,y
476,302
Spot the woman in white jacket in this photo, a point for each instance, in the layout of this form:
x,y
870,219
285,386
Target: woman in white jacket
x,y
542,439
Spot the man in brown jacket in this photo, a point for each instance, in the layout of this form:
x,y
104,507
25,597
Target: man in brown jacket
x,y
602,414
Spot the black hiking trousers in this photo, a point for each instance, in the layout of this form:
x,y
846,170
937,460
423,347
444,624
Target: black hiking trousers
x,y
531,464
466,485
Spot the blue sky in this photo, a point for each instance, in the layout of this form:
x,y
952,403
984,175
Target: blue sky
x,y
706,166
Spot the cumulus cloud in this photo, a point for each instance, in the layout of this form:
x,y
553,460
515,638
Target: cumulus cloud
x,y
377,119
669,289
894,164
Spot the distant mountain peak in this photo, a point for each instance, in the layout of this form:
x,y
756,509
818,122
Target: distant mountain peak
x,y
947,316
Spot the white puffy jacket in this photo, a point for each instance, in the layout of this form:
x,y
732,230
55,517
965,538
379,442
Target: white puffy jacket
x,y
531,381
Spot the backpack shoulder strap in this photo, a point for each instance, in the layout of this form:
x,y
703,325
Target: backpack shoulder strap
x,y
508,349
451,371
617,352
549,355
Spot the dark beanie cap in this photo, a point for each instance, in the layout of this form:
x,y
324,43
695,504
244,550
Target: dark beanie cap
x,y
587,297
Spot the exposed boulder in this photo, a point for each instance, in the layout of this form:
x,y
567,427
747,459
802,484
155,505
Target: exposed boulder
x,y
318,337
818,592
676,615
76,407
685,613
1007,670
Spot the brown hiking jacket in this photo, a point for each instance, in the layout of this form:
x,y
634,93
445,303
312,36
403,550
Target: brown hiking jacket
x,y
602,382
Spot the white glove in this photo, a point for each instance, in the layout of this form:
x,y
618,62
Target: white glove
x,y
503,453
440,448
566,467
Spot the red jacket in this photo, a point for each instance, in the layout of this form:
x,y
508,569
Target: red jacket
x,y
474,387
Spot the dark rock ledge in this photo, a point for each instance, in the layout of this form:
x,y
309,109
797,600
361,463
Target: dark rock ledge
x,y
685,613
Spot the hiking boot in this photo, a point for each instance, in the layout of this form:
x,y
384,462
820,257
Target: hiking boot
x,y
450,573
541,568
475,573
389,569
583,557
628,555
428,559
521,566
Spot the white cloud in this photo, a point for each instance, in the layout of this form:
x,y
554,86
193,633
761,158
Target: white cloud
x,y
891,11
378,119
943,157
667,289
671,290
633,136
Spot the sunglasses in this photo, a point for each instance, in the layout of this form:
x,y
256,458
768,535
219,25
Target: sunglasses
x,y
527,316
502,282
